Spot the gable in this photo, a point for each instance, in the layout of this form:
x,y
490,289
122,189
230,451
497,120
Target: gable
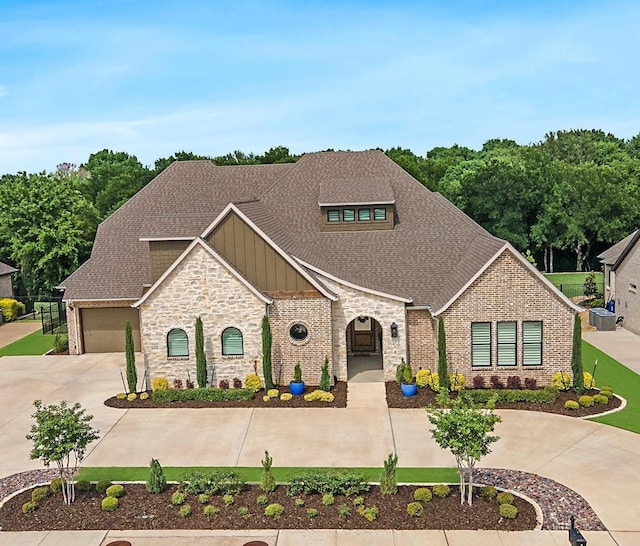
x,y
254,257
162,254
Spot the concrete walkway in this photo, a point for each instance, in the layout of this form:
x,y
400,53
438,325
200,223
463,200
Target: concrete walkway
x,y
599,462
13,331
620,344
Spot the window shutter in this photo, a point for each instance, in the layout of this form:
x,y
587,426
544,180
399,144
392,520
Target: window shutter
x,y
232,342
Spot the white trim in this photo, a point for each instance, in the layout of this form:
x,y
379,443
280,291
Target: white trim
x,y
523,260
215,255
96,299
352,285
288,259
189,238
364,203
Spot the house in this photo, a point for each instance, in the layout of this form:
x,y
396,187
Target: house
x,y
6,283
621,278
345,252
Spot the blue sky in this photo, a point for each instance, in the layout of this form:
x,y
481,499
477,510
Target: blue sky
x,y
153,78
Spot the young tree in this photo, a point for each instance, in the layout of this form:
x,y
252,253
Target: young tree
x,y
157,482
465,431
201,359
325,377
267,480
130,355
388,480
61,435
443,372
266,353
576,356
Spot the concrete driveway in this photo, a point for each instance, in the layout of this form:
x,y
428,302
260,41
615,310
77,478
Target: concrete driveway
x,y
13,331
599,462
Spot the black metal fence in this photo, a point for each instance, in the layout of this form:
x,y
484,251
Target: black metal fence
x,y
577,290
51,310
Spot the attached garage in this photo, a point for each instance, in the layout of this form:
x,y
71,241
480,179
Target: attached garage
x,y
103,329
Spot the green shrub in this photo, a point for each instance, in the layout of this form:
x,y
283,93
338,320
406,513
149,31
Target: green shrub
x,y
267,481
29,507
274,510
60,343
441,490
218,482
178,498
244,511
504,497
56,485
415,509
607,388
203,498
488,492
508,511
262,500
548,395
228,499
422,494
185,511
209,394
211,511
344,511
116,491
586,401
312,513
83,485
388,480
600,399
325,376
109,504
572,405
358,501
39,494
337,482
605,392
370,513
298,503
328,499
156,482
102,486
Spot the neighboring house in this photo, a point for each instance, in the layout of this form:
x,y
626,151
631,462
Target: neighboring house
x,y
6,283
345,252
622,277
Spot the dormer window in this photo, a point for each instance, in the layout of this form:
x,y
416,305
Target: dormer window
x,y
348,215
333,215
380,214
364,215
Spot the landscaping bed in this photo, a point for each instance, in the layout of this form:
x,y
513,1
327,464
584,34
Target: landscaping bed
x,y
426,397
339,391
141,510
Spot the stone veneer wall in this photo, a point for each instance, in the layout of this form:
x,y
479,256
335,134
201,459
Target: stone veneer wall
x,y
353,303
202,286
422,340
315,314
627,300
509,291
73,319
6,286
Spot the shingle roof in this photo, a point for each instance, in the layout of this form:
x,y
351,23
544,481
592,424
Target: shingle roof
x,y
611,255
6,269
432,252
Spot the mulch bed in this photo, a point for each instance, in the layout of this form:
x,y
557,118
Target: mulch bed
x,y
426,397
339,391
140,510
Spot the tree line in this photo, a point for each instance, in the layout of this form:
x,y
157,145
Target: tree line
x,y
562,200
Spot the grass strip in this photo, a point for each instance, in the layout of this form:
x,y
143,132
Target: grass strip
x,y
35,343
624,381
252,474
571,278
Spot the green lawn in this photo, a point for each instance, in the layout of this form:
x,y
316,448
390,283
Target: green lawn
x,y
33,344
572,278
252,474
625,382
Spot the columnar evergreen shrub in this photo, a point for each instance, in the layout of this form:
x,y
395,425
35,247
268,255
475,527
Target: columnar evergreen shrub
x,y
201,359
130,357
443,373
266,353
157,481
267,481
325,377
388,480
576,355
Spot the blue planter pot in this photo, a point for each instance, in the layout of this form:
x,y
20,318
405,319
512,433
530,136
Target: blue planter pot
x,y
409,390
296,388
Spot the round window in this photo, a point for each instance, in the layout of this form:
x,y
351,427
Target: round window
x,y
298,332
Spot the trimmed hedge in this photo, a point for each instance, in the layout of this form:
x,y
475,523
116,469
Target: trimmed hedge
x,y
11,308
213,394
548,395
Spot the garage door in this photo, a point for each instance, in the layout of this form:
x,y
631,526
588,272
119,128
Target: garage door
x,y
103,329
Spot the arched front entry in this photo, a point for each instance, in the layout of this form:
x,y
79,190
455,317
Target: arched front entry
x,y
364,350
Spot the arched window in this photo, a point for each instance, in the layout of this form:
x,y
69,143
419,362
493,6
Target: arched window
x,y
232,342
177,343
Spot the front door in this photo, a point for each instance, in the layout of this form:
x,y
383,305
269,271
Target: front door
x,y
362,335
